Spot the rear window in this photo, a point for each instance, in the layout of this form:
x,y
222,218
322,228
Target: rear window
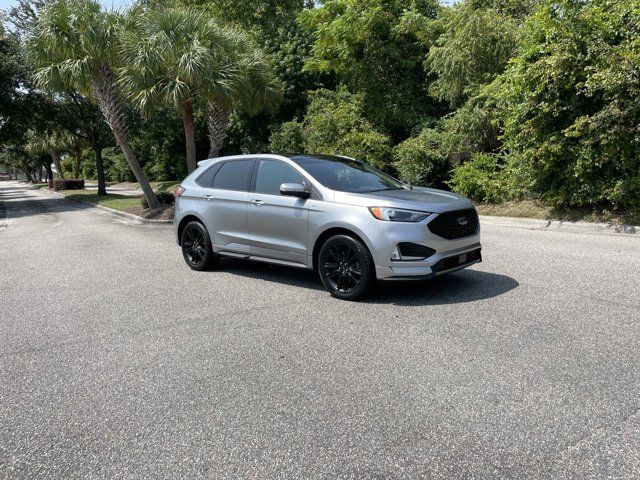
x,y
234,175
206,178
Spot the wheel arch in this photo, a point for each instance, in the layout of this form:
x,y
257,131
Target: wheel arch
x,y
183,223
330,232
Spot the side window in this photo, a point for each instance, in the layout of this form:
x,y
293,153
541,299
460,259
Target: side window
x,y
206,178
234,175
271,174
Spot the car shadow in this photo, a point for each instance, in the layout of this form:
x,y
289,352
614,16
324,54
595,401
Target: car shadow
x,y
468,285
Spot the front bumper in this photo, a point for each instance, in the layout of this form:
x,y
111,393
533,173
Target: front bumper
x,y
448,263
450,255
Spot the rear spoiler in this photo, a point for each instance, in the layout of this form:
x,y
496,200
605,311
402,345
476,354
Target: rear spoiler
x,y
204,162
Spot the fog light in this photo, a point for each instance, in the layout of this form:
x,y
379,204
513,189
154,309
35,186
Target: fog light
x,y
395,255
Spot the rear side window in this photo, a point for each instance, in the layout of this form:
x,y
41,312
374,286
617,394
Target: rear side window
x,y
206,179
234,175
271,174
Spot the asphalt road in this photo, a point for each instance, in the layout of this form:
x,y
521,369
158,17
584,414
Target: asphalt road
x,y
117,361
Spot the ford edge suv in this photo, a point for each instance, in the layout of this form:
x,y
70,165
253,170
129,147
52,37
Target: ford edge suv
x,y
341,217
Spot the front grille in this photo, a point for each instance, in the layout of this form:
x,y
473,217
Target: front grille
x,y
458,224
409,249
457,261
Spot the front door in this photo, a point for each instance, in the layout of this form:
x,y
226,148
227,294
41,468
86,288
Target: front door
x,y
277,223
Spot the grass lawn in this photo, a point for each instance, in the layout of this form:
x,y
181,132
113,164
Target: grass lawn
x,y
40,185
157,187
535,209
111,200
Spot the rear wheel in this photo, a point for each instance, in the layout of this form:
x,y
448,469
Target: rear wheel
x,y
346,267
196,247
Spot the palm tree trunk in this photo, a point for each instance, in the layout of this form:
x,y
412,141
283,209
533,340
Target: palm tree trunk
x,y
76,151
55,156
102,186
189,133
217,123
104,87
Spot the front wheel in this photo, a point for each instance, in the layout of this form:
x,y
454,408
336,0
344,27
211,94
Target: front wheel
x,y
196,247
346,267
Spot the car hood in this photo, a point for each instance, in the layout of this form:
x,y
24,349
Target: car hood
x,y
419,198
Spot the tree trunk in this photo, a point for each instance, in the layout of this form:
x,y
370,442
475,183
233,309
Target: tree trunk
x,y
76,151
102,186
104,87
47,167
189,134
217,123
55,156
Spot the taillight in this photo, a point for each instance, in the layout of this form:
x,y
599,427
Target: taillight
x,y
179,191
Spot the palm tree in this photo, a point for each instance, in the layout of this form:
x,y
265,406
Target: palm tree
x,y
75,45
51,142
178,55
175,56
255,88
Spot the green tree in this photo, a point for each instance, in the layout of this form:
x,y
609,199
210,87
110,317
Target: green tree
x,y
373,47
335,125
75,45
176,56
570,106
472,50
254,89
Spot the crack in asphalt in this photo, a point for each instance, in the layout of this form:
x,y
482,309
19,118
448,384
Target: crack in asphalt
x,y
594,431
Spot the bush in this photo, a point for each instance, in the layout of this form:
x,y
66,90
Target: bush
x,y
165,198
287,138
67,183
68,166
335,125
481,178
424,159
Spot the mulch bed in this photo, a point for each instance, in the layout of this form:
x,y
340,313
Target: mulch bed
x,y
162,213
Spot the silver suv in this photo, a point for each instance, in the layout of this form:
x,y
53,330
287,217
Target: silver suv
x,y
339,216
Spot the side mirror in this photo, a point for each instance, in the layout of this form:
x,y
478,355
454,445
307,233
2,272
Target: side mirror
x,y
294,190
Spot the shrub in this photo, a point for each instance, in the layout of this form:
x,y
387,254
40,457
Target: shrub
x,y
481,178
287,138
68,166
165,198
423,159
67,183
335,125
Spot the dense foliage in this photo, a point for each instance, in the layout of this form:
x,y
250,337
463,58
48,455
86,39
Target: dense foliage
x,y
497,99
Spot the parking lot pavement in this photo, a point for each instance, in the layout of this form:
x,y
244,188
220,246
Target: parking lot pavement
x,y
117,361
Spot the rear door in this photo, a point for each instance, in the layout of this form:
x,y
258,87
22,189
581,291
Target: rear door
x,y
277,223
224,206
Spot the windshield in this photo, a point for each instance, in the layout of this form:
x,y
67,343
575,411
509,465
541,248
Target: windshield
x,y
347,175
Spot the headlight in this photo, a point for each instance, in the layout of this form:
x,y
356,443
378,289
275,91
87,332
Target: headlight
x,y
397,215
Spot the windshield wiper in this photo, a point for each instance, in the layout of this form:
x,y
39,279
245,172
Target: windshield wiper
x,y
384,189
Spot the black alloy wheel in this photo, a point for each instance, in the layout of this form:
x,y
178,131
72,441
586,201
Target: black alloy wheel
x,y
196,247
345,267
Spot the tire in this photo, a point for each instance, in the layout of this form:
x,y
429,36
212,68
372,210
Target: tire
x,y
196,247
346,268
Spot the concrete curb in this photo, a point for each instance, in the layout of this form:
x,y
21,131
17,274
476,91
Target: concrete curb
x,y
116,213
559,225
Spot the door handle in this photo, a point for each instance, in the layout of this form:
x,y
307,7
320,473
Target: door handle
x,y
207,197
257,203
